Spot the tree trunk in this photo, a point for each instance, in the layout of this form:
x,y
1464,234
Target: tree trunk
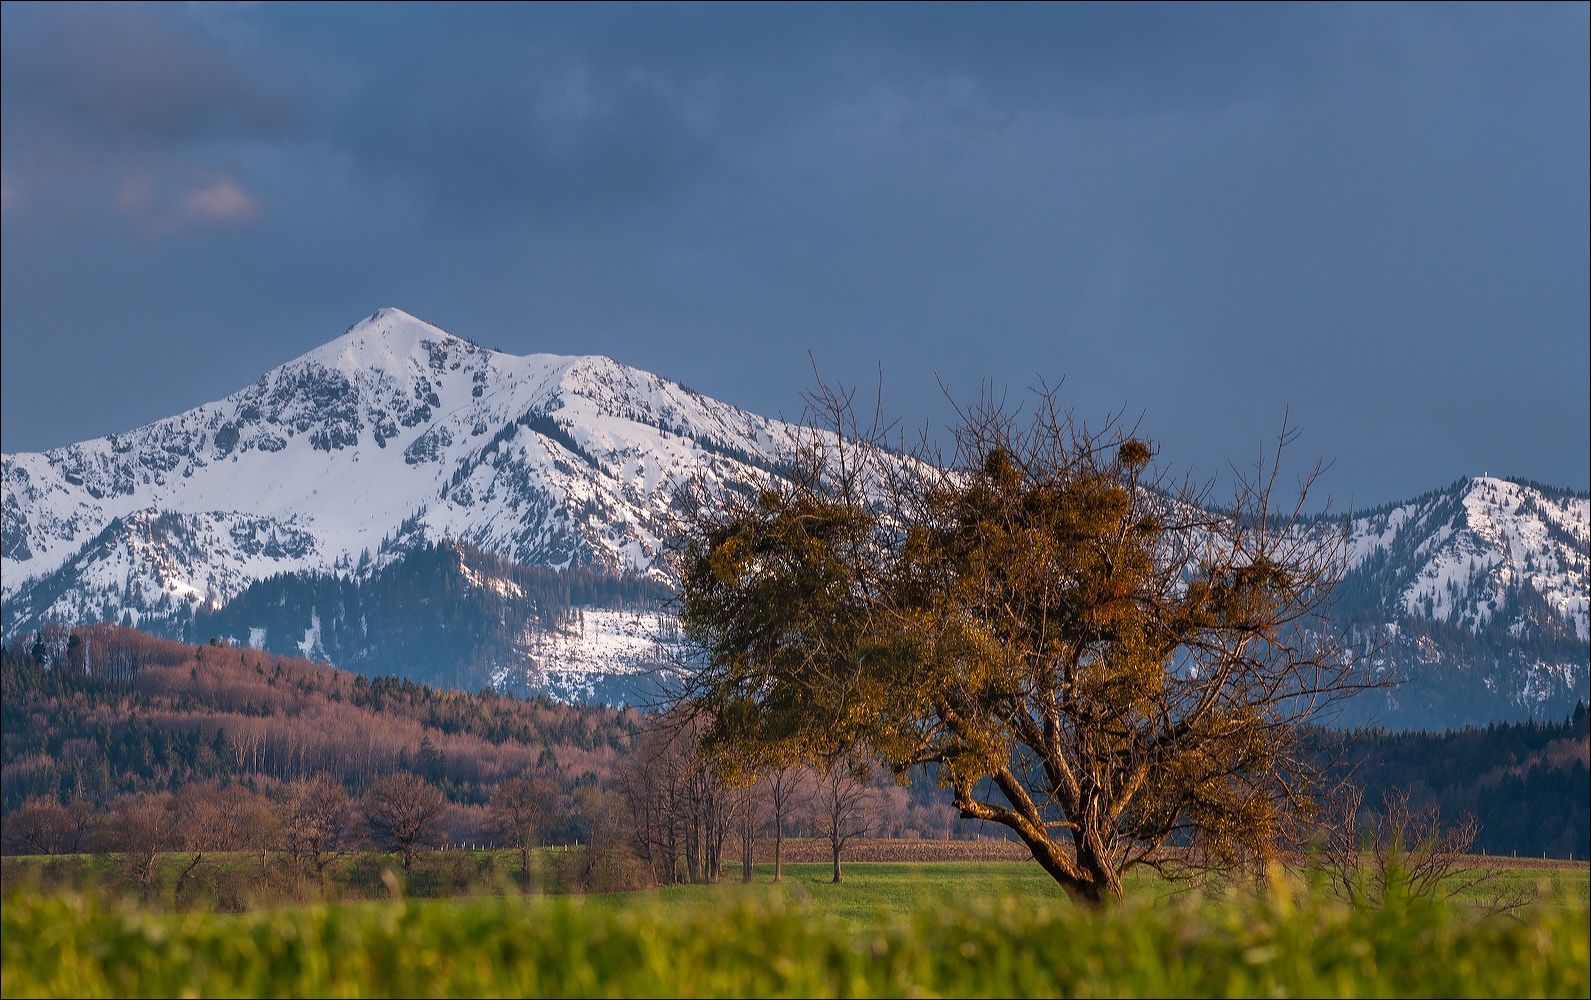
x,y
748,837
524,864
835,843
778,826
1105,886
187,873
747,845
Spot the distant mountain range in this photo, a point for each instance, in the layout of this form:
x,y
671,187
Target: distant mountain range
x,y
396,500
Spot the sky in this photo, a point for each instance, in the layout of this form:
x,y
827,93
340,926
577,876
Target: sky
x,y
1370,221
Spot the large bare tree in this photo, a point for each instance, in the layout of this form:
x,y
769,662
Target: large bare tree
x,y
1091,654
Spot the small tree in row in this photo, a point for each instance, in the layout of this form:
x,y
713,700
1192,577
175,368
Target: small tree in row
x,y
519,813
404,813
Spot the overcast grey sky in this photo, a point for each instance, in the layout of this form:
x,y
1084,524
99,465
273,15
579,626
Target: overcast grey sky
x,y
1374,216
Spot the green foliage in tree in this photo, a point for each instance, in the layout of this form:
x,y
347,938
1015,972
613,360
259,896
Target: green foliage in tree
x,y
1041,610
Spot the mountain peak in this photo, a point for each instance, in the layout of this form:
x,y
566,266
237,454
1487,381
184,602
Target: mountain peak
x,y
388,339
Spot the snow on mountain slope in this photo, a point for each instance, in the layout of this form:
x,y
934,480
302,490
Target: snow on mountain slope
x,y
1463,554
398,433
396,426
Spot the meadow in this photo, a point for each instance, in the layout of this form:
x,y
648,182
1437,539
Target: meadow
x,y
975,928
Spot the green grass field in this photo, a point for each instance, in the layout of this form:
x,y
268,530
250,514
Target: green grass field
x,y
888,930
232,882
874,892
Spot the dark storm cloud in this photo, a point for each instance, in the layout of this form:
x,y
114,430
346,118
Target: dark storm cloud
x,y
535,107
1373,216
135,75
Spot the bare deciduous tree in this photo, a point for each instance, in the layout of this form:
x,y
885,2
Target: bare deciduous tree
x,y
786,786
141,828
43,826
681,807
518,809
315,818
840,799
610,864
404,814
748,814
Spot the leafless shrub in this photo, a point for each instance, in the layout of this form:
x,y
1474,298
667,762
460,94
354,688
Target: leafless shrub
x,y
1405,852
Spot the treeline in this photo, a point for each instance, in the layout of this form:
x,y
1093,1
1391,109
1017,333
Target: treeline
x,y
446,614
667,816
234,846
1527,784
92,715
98,711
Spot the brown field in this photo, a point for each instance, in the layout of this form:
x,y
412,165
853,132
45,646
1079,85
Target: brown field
x,y
1557,864
805,850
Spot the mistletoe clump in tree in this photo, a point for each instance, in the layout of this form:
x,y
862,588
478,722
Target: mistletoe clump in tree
x,y
1094,656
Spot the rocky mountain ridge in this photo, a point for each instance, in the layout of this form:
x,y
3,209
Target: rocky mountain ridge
x,y
395,432
398,435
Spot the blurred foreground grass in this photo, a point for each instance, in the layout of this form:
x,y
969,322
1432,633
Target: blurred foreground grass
x,y
791,940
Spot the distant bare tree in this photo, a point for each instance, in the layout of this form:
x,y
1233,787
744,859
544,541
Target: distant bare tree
x,y
610,866
748,815
404,814
682,808
653,781
841,798
44,826
518,809
315,819
140,829
204,827
786,785
259,829
712,816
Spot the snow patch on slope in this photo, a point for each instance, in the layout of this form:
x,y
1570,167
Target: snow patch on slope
x,y
1458,554
395,430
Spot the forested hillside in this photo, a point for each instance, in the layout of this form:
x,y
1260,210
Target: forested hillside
x,y
93,713
1528,784
444,614
110,711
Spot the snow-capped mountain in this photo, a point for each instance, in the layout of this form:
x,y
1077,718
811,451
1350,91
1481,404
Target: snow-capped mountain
x,y
396,427
1482,593
293,514
1464,555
